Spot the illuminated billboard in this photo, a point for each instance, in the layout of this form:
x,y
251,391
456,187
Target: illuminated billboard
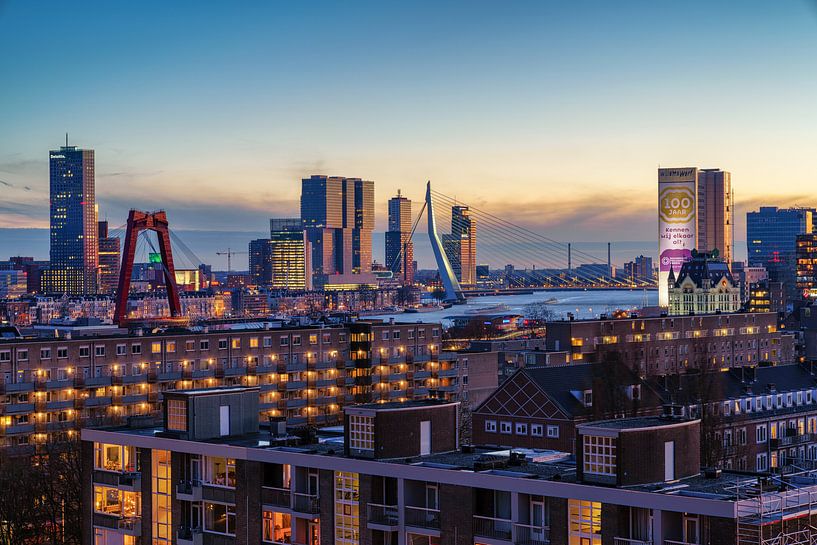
x,y
677,221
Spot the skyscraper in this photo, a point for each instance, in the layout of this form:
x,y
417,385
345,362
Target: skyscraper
x,y
399,247
109,258
290,255
74,250
695,212
461,245
715,213
338,217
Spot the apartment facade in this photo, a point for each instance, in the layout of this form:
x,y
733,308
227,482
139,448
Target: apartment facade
x,y
673,344
51,387
399,477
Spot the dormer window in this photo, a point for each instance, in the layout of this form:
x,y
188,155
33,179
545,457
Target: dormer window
x,y
588,398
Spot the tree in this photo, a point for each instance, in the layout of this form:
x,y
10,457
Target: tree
x,y
538,314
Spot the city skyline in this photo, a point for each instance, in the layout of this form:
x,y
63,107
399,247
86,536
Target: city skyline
x,y
556,141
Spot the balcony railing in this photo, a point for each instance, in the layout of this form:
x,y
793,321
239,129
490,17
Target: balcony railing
x,y
629,541
421,517
676,542
131,525
527,534
279,497
306,503
386,515
189,536
492,527
191,490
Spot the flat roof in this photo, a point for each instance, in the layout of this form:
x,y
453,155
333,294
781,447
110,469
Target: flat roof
x,y
636,423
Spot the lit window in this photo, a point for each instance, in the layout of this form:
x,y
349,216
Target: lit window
x,y
156,348
176,415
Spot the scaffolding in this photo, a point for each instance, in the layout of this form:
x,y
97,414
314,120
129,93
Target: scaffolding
x,y
777,510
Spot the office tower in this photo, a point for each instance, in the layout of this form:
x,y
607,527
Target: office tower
x,y
715,213
806,270
289,255
74,250
109,259
461,245
399,247
260,256
338,216
771,240
638,270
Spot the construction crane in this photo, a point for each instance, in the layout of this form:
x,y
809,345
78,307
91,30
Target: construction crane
x,y
230,253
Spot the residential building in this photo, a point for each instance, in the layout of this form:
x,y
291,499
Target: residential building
x,y
290,255
109,259
399,475
672,344
13,284
74,250
338,217
704,286
461,245
399,247
806,268
639,270
52,385
716,213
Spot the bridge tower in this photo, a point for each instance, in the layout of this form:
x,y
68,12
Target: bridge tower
x,y
139,221
453,292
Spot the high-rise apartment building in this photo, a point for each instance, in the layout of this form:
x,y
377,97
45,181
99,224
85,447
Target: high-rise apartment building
x,y
461,245
638,270
74,250
109,259
399,247
715,213
282,261
338,217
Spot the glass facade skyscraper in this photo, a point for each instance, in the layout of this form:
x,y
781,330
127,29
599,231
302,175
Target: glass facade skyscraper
x,y
338,217
282,261
74,249
399,247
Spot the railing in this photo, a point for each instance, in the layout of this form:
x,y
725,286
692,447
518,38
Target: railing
x,y
676,542
628,541
130,524
422,517
527,534
492,527
280,497
306,503
189,488
386,515
189,535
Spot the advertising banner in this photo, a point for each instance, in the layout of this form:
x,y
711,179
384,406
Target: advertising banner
x,y
677,221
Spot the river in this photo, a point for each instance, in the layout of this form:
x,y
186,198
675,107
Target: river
x,y
582,303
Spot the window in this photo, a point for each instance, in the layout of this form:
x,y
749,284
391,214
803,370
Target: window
x,y
361,432
204,345
45,353
584,522
84,351
296,340
136,349
284,341
521,428
313,339
385,335
176,415
114,457
537,430
267,342
276,527
22,354
490,426
253,342
762,462
395,335
99,351
62,352
219,471
588,398
170,346
156,348
121,349
505,427
5,355
189,346
599,455
219,518
347,508
761,433
222,344
553,432
113,501
236,343
435,333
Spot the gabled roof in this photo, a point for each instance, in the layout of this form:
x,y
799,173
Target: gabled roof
x,y
704,271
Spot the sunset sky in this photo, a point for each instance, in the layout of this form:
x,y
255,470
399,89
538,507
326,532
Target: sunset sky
x,y
551,114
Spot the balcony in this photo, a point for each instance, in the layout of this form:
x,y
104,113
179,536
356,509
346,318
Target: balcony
x,y
791,440
421,517
527,534
129,525
189,490
131,480
308,504
493,528
278,497
189,536
383,516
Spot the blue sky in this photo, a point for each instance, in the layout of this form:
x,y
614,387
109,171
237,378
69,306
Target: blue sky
x,y
552,114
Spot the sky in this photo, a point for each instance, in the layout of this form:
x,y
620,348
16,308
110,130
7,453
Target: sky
x,y
554,115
